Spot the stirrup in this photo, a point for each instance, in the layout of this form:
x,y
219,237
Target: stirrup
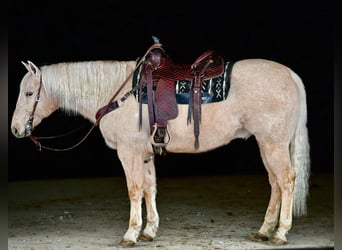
x,y
159,144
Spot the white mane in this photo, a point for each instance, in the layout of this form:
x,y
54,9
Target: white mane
x,y
83,86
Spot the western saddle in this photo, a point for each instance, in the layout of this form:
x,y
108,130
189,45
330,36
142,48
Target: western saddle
x,y
158,74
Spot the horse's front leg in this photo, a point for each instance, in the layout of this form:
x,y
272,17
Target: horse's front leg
x,y
150,192
132,163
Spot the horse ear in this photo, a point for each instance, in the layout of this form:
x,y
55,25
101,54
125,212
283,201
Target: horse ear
x,y
26,65
32,68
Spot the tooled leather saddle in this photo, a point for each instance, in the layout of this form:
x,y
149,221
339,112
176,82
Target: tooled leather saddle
x,y
157,77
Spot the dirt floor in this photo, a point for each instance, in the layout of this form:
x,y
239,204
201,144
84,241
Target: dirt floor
x,y
214,212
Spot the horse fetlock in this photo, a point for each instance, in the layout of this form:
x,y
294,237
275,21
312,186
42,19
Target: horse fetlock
x,y
279,238
150,231
131,236
267,228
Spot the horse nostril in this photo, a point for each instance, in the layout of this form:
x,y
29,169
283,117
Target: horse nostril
x,y
14,131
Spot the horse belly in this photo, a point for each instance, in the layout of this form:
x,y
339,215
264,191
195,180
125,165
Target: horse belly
x,y
218,127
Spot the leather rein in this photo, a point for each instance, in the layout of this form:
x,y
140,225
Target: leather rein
x,y
112,105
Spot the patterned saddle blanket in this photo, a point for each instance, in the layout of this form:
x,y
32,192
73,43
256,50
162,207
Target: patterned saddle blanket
x,y
214,89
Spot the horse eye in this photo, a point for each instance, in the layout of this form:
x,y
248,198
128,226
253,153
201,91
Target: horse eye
x,y
28,93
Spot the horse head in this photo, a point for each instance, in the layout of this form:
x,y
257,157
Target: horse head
x,y
33,103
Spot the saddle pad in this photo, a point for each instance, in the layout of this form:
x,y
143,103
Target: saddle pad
x,y
213,89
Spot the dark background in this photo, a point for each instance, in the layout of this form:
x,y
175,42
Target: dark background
x,y
299,37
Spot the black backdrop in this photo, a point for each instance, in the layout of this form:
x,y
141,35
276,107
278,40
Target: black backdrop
x,y
301,38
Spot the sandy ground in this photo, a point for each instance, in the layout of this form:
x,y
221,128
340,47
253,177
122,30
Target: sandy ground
x,y
214,212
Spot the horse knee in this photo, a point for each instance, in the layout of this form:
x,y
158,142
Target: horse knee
x,y
135,193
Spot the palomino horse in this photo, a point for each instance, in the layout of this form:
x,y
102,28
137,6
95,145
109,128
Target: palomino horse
x,y
266,99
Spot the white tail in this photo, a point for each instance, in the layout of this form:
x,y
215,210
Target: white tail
x,y
300,155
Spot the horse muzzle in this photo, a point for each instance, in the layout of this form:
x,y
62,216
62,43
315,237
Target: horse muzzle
x,y
27,131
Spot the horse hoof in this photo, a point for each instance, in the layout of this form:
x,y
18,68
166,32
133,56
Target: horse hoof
x,y
127,243
277,242
259,237
144,237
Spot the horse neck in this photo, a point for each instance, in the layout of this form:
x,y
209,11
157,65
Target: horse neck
x,y
82,88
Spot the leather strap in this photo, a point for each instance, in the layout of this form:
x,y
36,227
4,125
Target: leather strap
x,y
196,103
197,96
150,96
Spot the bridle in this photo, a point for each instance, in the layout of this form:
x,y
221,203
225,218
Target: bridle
x,y
29,123
112,105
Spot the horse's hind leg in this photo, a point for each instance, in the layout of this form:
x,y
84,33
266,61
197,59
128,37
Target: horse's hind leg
x,y
150,192
272,213
276,158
